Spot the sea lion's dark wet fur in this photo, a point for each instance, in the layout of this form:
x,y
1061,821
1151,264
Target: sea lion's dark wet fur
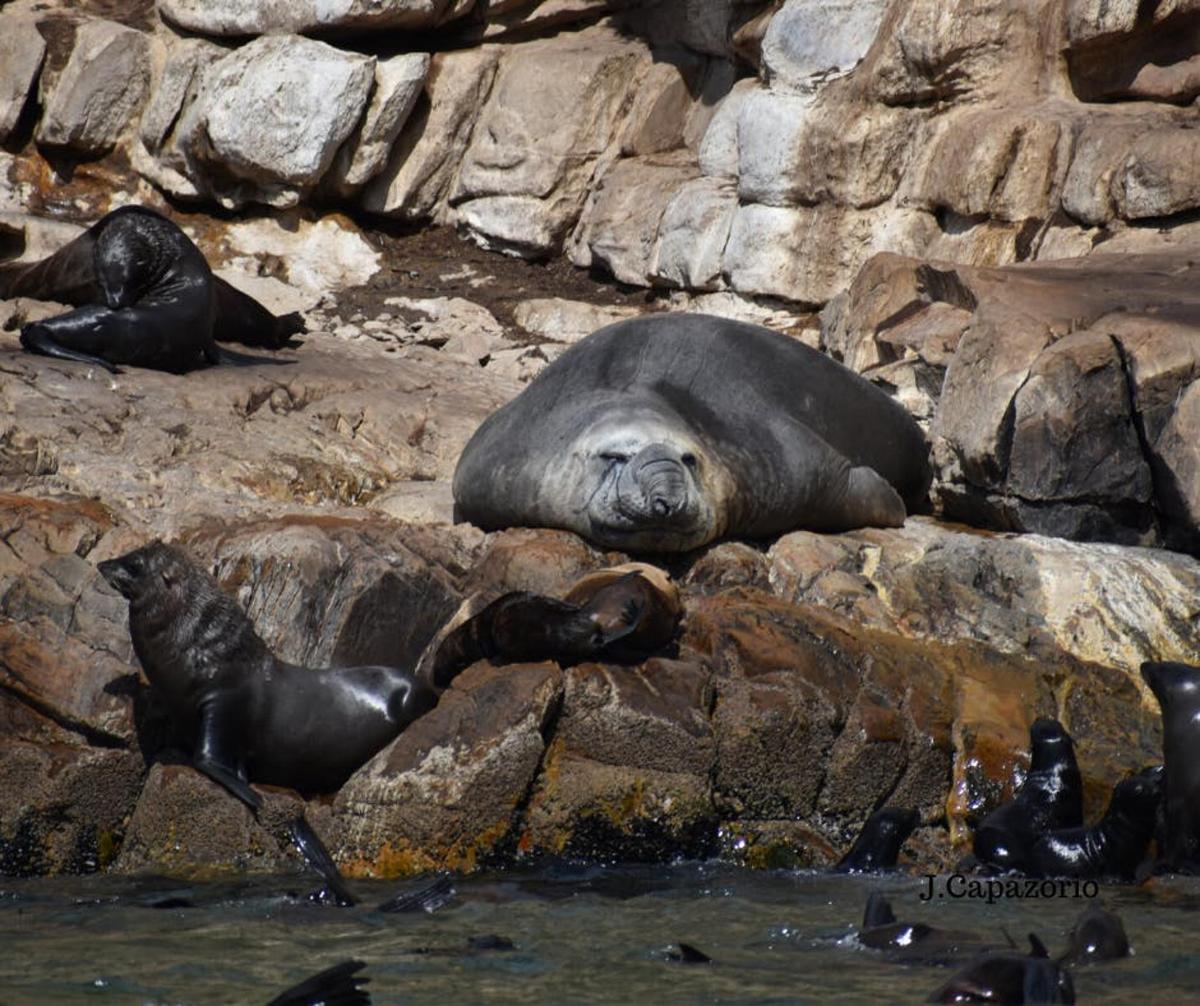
x,y
1177,688
1010,978
1050,798
1115,845
1098,935
879,841
340,985
144,296
245,711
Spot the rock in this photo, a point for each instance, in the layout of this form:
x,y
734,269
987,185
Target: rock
x,y
567,320
524,363
21,53
458,327
770,132
659,114
620,225
399,82
425,156
103,85
265,17
526,18
1149,182
524,177
718,151
805,44
450,789
246,145
693,232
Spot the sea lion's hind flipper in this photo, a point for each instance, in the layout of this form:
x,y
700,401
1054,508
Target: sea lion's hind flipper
x,y
36,338
425,898
335,986
240,318
317,856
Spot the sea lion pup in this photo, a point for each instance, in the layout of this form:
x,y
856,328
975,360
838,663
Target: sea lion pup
x,y
619,615
1177,688
339,985
878,843
1010,978
144,296
1115,845
248,716
666,432
1050,798
1098,935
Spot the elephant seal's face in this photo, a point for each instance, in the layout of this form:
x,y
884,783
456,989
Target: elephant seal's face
x,y
643,484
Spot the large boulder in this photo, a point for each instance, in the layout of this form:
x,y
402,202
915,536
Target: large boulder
x,y
239,18
22,50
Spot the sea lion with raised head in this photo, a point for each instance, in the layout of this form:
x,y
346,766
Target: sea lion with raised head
x,y
666,432
1050,798
1115,845
1177,688
246,715
144,296
879,841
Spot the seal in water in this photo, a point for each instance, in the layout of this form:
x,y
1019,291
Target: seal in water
x,y
1115,845
913,942
666,432
1098,935
1051,798
144,296
1177,688
878,843
620,615
339,985
1010,978
247,715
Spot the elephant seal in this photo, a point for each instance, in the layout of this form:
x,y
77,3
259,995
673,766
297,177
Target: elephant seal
x,y
144,296
1098,935
1115,845
1010,978
878,843
666,432
1050,798
1177,688
623,614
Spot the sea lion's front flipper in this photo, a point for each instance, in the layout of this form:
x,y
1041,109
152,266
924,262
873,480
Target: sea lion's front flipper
x,y
213,754
335,986
38,338
317,856
870,500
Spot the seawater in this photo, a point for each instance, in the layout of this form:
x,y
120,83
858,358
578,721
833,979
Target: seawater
x,y
580,935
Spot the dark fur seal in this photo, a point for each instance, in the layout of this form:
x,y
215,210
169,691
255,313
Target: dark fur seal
x,y
912,942
340,985
144,296
666,432
1051,798
1115,845
878,843
1098,935
248,716
1010,978
1177,688
620,615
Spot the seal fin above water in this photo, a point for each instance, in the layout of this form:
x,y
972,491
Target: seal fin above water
x,y
425,897
335,986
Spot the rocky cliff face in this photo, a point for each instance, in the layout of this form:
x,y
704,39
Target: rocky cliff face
x,y
992,203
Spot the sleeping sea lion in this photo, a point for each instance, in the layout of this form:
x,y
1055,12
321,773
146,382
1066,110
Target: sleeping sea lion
x,y
1050,798
144,296
666,432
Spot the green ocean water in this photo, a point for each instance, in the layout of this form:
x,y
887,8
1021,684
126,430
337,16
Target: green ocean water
x,y
580,935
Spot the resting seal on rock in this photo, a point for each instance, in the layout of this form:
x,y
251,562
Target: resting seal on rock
x,y
145,297
1177,688
666,432
1051,797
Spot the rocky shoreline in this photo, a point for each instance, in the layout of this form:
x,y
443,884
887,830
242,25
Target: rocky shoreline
x,y
924,195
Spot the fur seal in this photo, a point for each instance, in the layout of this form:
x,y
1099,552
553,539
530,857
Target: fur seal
x,y
1010,978
878,843
1177,688
339,985
620,615
912,942
1115,845
144,296
666,432
1098,935
248,716
1050,798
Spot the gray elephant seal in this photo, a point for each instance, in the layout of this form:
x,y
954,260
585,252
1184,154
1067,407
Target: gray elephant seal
x,y
249,716
144,296
666,432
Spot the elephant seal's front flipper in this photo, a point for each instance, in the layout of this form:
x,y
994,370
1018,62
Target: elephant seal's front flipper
x,y
870,500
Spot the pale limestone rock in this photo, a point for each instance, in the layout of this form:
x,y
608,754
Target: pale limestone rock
x,y
1088,20
659,114
21,52
693,232
399,82
524,363
719,147
528,17
806,43
620,225
261,17
428,151
1150,182
770,135
527,151
102,87
272,114
716,82
567,320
